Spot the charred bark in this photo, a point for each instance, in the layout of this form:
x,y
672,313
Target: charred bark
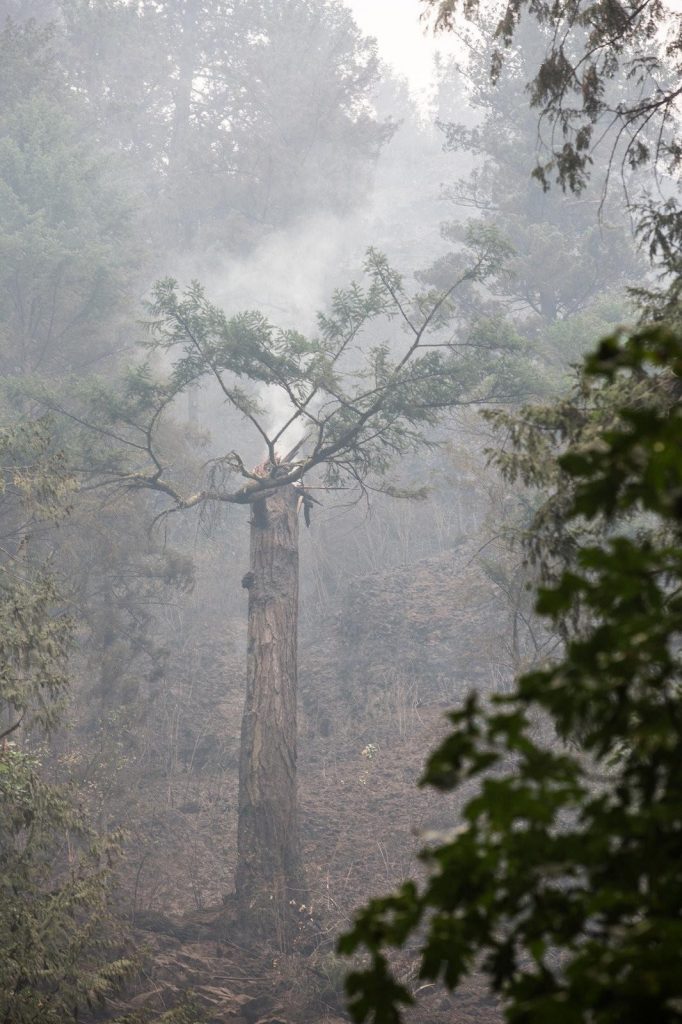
x,y
269,878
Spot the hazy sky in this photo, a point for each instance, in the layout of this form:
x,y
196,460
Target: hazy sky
x,y
404,41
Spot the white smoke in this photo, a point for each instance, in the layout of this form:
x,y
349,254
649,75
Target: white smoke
x,y
291,275
289,278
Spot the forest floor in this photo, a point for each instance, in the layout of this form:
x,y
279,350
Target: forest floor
x,y
362,816
361,819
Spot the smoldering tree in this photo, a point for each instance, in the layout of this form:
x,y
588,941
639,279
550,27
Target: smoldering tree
x,y
382,370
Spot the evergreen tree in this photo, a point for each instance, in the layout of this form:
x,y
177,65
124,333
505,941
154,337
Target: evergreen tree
x,y
354,405
565,280
607,80
70,255
66,264
235,119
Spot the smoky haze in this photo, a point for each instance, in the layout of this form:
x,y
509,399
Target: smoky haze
x,y
261,148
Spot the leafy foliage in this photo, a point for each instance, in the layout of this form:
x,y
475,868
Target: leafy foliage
x,y
54,891
563,884
609,76
563,281
34,487
54,901
532,438
590,46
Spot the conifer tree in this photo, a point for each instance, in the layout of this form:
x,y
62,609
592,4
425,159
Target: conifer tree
x,y
383,369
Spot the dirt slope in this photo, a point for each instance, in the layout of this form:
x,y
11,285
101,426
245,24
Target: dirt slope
x,y
376,679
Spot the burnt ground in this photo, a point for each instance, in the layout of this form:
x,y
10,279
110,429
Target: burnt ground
x,y
375,684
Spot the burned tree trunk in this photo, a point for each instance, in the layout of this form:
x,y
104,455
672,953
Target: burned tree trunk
x,y
269,877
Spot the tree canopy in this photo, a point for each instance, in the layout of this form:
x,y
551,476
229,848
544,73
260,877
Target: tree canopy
x,y
591,46
563,882
609,78
67,243
349,408
564,279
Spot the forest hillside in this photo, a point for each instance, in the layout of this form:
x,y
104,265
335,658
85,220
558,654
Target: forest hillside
x,y
339,512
